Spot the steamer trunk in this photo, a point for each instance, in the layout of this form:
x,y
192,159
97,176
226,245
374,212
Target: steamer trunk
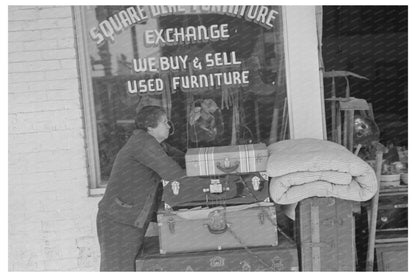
x,y
208,192
217,228
281,258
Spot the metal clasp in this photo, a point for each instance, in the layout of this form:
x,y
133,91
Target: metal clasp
x,y
216,187
256,183
175,187
261,217
171,224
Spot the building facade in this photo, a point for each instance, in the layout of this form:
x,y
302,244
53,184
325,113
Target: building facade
x,y
52,205
51,216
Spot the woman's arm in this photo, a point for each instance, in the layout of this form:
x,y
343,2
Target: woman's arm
x,y
176,154
151,154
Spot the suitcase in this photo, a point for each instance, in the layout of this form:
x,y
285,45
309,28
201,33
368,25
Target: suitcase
x,y
208,192
281,258
326,234
217,228
214,161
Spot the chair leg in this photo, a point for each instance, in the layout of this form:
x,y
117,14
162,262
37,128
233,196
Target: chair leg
x,y
373,219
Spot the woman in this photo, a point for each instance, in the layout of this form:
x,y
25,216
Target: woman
x,y
130,198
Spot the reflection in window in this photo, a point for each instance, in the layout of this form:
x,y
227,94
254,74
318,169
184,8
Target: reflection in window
x,y
204,111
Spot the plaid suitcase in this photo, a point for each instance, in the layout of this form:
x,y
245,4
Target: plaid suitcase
x,y
209,192
222,160
217,228
326,232
281,258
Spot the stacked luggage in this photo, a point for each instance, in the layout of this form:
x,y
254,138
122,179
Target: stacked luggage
x,y
219,218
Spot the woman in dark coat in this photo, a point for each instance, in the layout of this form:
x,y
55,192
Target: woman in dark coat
x,y
130,198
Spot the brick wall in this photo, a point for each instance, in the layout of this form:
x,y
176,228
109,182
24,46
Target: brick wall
x,y
51,217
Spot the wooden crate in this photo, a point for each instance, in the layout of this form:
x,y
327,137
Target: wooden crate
x,y
326,234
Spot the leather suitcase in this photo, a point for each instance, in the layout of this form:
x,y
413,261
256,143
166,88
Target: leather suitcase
x,y
217,228
281,258
221,160
208,192
326,233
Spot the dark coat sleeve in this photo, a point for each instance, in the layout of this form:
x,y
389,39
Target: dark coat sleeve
x,y
176,154
152,155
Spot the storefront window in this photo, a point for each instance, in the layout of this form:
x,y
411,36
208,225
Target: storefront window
x,y
217,70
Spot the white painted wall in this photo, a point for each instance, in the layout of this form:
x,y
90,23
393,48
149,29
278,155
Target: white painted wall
x,y
51,217
302,66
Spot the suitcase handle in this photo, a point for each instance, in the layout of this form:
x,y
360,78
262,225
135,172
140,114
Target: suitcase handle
x,y
217,231
217,222
229,169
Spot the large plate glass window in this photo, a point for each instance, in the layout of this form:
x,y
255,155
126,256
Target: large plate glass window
x,y
217,70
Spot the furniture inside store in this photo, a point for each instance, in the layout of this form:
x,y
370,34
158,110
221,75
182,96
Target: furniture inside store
x,y
381,226
376,73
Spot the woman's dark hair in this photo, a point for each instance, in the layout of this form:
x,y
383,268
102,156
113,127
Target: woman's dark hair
x,y
149,116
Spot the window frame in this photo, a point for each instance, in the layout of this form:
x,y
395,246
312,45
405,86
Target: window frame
x,y
96,186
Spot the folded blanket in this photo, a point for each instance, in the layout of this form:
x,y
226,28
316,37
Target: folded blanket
x,y
302,168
